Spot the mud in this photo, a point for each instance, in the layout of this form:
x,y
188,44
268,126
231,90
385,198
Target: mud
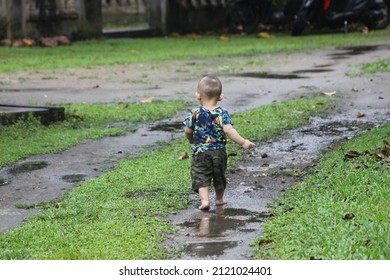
x,y
223,232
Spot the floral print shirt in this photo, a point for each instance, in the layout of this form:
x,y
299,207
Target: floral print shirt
x,y
208,128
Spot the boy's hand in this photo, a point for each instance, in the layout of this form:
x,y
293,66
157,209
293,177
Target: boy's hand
x,y
248,144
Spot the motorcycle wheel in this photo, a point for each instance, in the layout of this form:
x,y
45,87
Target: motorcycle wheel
x,y
243,18
310,14
383,23
298,27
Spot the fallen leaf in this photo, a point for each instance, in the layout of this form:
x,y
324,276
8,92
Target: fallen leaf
x,y
328,93
29,42
265,241
148,100
6,43
360,115
263,35
387,148
223,38
349,216
352,154
194,36
183,155
380,155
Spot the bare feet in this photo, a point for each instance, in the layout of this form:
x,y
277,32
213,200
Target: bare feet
x,y
205,205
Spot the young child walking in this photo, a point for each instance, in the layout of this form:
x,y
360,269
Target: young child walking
x,y
207,128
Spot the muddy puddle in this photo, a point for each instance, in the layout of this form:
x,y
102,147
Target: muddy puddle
x,y
226,232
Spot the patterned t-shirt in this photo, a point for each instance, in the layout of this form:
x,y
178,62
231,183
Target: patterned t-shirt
x,y
208,128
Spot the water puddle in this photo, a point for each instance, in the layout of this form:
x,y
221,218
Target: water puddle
x,y
3,182
354,50
73,178
266,75
316,70
168,127
217,223
209,249
28,166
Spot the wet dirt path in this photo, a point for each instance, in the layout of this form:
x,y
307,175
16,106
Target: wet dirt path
x,y
223,232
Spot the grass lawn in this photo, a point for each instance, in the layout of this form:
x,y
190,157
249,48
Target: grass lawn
x,y
341,211
86,54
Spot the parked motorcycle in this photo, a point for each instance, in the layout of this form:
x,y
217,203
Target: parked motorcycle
x,y
375,14
245,16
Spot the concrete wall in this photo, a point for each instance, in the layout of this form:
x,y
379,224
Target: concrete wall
x,y
41,18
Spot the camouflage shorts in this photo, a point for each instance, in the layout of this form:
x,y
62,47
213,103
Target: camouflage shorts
x,y
207,167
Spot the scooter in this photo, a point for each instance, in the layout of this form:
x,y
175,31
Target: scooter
x,y
374,14
245,16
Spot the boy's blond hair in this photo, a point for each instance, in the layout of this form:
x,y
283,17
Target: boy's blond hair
x,y
210,86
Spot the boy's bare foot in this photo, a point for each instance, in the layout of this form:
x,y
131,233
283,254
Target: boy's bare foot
x,y
205,205
220,202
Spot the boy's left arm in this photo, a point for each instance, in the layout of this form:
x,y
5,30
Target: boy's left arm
x,y
189,134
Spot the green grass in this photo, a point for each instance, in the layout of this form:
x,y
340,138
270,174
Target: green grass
x,y
119,215
83,121
379,66
86,54
311,221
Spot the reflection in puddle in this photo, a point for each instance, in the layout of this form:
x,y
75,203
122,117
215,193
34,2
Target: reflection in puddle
x,y
218,222
173,126
207,249
28,166
211,227
266,75
73,178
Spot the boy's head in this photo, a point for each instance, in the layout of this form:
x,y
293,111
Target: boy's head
x,y
209,87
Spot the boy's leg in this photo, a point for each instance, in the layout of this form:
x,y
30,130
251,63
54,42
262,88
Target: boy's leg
x,y
204,198
219,178
219,197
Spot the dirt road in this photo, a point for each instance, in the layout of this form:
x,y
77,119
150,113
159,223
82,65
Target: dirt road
x,y
223,232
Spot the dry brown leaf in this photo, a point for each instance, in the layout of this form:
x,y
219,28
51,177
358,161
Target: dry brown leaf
x,y
183,155
263,35
224,38
360,115
148,100
352,154
194,36
328,93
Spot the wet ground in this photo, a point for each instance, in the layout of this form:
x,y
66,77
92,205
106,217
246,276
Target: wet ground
x,y
223,232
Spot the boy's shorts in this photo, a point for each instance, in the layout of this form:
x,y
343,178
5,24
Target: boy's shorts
x,y
209,166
